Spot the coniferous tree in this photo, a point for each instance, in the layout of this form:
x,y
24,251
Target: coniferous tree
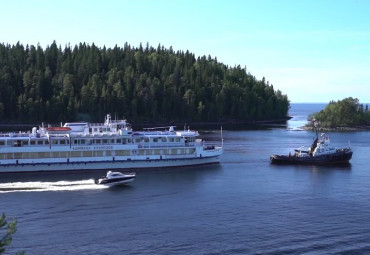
x,y
141,84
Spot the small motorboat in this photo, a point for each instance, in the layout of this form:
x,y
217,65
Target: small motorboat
x,y
116,178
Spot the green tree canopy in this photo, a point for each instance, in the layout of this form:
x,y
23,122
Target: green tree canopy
x,y
343,113
142,84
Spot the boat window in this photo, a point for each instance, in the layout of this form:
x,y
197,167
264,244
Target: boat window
x,y
83,141
40,142
2,143
87,154
171,139
98,141
146,139
33,142
177,139
164,139
98,153
76,154
27,155
137,140
25,142
119,141
155,140
112,141
43,154
46,142
54,142
62,142
122,153
64,154
105,141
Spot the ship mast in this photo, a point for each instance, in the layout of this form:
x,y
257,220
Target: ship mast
x,y
316,124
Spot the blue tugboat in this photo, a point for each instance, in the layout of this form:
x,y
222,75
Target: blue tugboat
x,y
320,152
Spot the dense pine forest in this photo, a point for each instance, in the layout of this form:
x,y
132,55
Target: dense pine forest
x,y
148,84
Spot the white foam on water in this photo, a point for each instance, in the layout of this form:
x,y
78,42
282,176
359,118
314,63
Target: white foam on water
x,y
49,186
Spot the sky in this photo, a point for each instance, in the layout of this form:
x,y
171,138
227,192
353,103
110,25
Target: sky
x,y
314,51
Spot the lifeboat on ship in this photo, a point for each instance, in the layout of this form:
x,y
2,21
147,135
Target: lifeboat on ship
x,y
58,130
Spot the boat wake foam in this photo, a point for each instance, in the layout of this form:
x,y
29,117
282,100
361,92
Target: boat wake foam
x,y
49,186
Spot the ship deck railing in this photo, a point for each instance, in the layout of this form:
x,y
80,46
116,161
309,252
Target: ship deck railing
x,y
22,134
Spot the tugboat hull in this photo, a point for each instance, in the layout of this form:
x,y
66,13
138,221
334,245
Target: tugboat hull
x,y
341,156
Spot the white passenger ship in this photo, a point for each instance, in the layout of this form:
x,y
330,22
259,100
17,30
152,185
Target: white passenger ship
x,y
109,145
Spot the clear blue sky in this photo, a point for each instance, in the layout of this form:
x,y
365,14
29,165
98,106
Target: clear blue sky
x,y
313,51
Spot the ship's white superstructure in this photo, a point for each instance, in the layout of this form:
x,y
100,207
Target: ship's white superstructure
x,y
109,145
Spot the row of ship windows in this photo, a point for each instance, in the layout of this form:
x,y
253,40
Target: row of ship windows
x,y
77,154
19,143
99,129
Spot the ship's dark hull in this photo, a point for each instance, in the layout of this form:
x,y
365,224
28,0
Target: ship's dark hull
x,y
341,156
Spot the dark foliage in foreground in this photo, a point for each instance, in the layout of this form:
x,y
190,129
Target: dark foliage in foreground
x,y
6,233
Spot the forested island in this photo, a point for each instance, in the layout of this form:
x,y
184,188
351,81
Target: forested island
x,y
344,114
147,84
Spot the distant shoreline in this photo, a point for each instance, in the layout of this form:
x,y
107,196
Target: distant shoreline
x,y
333,129
214,123
181,123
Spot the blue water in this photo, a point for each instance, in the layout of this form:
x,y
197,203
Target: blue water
x,y
243,205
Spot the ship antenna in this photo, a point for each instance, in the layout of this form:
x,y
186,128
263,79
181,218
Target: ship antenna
x,y
222,138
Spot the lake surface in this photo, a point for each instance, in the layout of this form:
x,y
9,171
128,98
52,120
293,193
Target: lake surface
x,y
244,205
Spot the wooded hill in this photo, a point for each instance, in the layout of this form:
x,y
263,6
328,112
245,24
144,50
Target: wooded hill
x,y
142,84
343,113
